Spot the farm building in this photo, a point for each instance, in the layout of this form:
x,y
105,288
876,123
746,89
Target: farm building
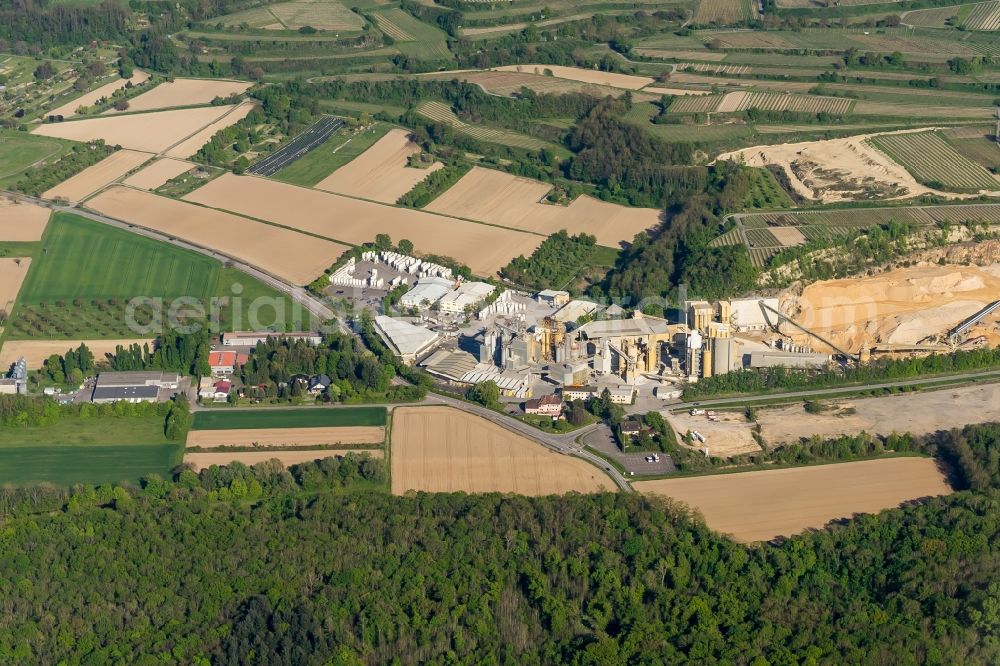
x,y
253,338
135,386
547,405
405,339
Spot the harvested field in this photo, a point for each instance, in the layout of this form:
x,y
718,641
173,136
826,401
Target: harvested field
x,y
158,173
919,413
21,221
184,92
626,81
290,256
898,307
12,274
757,506
193,143
289,437
381,172
483,248
440,449
511,201
36,352
89,99
788,236
134,130
100,175
202,459
837,169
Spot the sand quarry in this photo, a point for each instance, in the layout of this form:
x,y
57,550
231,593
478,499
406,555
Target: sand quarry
x,y
838,169
441,449
626,81
903,306
485,249
917,413
510,201
152,132
287,436
202,459
184,92
95,177
36,352
728,435
290,256
21,221
158,173
380,173
89,99
758,506
12,274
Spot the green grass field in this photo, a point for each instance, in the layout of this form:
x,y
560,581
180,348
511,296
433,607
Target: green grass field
x,y
19,150
321,162
85,259
91,451
290,418
19,248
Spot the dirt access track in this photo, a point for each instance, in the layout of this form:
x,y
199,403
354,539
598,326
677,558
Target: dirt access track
x,y
184,92
89,99
93,178
150,132
381,172
441,449
838,169
626,81
510,201
21,221
289,437
202,459
903,306
758,506
36,352
917,413
485,249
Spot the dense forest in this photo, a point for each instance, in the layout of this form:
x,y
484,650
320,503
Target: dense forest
x,y
238,567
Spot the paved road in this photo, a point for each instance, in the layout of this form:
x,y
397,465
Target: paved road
x,y
835,390
312,138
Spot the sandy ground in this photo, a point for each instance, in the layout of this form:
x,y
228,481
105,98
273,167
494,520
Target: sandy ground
x,y
150,132
69,109
22,221
12,274
728,436
193,143
440,449
916,413
184,92
158,173
290,437
511,201
756,506
291,256
485,249
836,169
201,460
902,306
586,75
787,236
380,173
36,352
100,175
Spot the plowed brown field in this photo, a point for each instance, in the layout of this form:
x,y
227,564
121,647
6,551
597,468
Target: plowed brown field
x,y
441,449
380,173
289,437
202,459
291,256
485,249
93,178
755,506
